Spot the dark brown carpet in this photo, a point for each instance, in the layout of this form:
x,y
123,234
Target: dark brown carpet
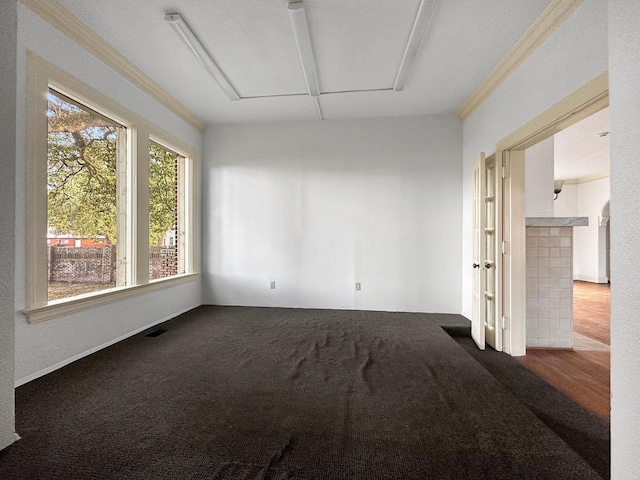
x,y
252,393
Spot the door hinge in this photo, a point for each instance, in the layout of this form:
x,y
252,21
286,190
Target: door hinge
x,y
504,247
504,171
505,322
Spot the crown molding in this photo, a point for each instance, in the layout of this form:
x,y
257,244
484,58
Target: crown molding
x,y
550,19
66,22
591,178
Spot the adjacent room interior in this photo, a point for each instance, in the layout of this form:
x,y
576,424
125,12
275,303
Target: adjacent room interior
x,y
250,240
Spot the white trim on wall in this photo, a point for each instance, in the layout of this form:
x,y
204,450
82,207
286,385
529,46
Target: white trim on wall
x,y
66,22
551,18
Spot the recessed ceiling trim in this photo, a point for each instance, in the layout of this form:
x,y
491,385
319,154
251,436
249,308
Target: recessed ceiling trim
x,y
189,38
337,92
316,100
551,18
424,16
66,22
298,18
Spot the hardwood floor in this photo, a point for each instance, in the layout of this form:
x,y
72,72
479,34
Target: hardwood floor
x,y
584,373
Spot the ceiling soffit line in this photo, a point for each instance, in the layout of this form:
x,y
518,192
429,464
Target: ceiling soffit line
x,y
551,18
63,20
189,38
298,17
426,12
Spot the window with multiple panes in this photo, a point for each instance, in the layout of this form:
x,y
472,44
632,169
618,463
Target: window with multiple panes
x,y
111,208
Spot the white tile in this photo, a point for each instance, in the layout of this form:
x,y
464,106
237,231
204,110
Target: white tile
x,y
566,343
533,281
565,241
543,293
532,342
554,334
554,313
566,293
565,262
554,323
566,252
554,302
543,251
532,302
532,312
543,241
543,262
555,273
554,262
554,293
532,261
544,282
532,232
543,272
543,231
543,302
554,252
566,232
566,313
532,242
532,252
554,232
543,314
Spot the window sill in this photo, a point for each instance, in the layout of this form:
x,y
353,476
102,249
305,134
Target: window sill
x,y
60,308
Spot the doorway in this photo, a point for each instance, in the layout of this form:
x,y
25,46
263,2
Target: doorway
x,y
589,99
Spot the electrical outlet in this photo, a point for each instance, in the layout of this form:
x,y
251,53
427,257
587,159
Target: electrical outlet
x,y
273,285
357,285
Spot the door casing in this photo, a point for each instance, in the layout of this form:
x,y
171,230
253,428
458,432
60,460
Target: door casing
x,y
587,100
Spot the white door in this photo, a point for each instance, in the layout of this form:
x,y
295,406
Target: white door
x,y
479,240
493,331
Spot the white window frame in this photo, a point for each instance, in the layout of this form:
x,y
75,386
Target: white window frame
x,y
133,210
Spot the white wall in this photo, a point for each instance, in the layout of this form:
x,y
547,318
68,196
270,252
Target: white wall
x,y
586,200
7,219
45,346
538,179
318,206
574,54
624,78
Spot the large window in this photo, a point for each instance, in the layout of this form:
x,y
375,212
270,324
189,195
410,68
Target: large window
x,y
165,213
82,198
111,199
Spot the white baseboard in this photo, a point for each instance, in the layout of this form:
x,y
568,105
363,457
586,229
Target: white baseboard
x,y
591,278
58,365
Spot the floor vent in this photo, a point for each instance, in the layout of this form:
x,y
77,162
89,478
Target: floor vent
x,y
157,333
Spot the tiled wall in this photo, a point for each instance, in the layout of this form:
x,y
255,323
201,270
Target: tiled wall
x,y
550,287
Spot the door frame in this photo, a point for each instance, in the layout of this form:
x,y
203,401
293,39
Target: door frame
x,y
587,100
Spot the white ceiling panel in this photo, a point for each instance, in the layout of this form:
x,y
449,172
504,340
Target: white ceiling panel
x,y
579,151
358,45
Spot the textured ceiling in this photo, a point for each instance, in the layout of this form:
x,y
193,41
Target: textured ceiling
x,y
579,152
358,45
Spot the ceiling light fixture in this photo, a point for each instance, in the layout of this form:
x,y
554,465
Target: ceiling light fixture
x,y
426,12
298,18
189,38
